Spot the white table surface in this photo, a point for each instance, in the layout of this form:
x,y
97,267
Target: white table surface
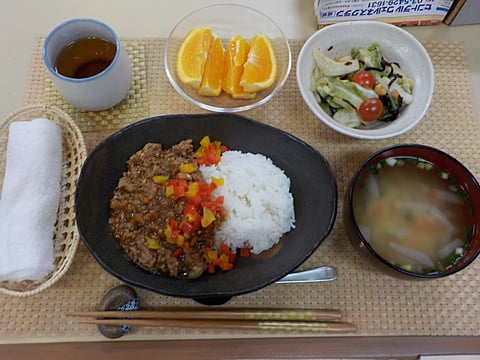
x,y
23,20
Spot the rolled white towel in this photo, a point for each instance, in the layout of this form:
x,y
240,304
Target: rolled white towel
x,y
30,199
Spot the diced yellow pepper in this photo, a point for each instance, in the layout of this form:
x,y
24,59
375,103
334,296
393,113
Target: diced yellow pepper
x,y
192,189
211,254
217,181
168,234
224,258
199,152
180,240
205,141
152,243
160,179
188,168
218,150
208,217
169,191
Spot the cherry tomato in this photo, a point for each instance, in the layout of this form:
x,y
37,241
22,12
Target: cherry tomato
x,y
364,78
371,109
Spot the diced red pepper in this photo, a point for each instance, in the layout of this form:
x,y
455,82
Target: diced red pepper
x,y
209,152
172,222
178,192
173,225
217,261
212,158
245,252
178,186
194,201
201,208
215,205
189,209
211,269
204,190
225,250
177,252
222,258
186,227
197,222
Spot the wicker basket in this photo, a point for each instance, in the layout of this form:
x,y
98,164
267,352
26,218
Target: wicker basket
x,y
66,236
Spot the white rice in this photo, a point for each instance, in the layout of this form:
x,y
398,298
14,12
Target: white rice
x,y
258,201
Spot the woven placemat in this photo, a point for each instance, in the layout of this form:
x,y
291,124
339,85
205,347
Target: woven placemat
x,y
96,124
377,304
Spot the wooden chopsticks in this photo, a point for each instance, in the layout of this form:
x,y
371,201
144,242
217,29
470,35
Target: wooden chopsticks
x,y
315,321
232,314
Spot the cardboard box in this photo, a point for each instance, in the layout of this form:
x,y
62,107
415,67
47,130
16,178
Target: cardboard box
x,y
399,12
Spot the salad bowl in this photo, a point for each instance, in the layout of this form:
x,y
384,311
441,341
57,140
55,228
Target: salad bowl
x,y
396,60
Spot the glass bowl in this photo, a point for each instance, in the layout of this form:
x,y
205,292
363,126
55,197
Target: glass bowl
x,y
227,21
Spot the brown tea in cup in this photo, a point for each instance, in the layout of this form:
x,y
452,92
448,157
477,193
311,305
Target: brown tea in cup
x,y
88,64
85,57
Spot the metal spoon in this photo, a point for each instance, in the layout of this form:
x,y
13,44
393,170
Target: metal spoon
x,y
319,274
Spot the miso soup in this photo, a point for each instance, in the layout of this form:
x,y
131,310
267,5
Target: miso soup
x,y
412,214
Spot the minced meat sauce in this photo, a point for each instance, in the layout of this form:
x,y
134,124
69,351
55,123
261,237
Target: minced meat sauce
x,y
140,211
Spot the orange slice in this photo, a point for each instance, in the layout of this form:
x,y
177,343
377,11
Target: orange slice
x,y
192,55
260,70
211,84
236,54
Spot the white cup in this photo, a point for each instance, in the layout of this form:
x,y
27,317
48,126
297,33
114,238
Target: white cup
x,y
98,92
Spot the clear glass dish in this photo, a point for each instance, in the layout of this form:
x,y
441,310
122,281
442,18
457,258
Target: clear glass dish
x,y
227,21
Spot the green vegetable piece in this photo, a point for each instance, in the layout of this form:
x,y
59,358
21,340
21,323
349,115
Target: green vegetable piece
x,y
346,91
347,118
330,67
405,82
371,56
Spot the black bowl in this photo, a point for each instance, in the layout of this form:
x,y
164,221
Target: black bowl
x,y
464,180
312,184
